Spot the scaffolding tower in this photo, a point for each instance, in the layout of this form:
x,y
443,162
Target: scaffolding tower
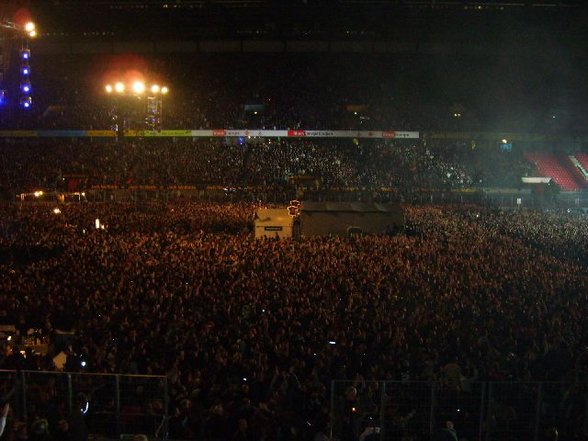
x,y
4,63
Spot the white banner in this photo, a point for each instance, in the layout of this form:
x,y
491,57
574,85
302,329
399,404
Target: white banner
x,y
377,134
215,133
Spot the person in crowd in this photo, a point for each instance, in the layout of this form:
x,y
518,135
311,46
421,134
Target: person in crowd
x,y
62,430
448,433
4,417
243,328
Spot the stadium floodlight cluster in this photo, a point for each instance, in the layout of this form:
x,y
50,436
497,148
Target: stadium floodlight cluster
x,y
153,93
150,97
137,88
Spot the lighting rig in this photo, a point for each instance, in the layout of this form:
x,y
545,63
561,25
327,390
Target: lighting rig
x,y
24,33
153,95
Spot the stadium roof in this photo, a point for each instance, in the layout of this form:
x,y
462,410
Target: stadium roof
x,y
311,3
271,19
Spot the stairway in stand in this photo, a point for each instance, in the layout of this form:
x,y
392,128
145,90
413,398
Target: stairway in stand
x,y
560,168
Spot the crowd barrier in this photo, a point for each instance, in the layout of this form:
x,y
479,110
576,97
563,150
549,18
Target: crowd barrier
x,y
114,405
110,405
500,198
480,411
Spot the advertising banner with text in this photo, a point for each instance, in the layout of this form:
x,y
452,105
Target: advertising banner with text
x,y
214,133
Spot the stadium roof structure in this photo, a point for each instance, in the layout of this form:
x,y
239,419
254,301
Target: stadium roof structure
x,y
307,3
354,19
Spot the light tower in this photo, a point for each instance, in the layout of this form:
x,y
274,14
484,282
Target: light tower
x,y
13,31
138,92
25,87
154,116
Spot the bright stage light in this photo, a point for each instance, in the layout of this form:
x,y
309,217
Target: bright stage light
x,y
155,88
33,34
164,90
30,26
138,87
26,88
108,88
26,71
25,54
119,87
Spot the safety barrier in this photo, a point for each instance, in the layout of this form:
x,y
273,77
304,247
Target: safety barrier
x,y
106,405
483,411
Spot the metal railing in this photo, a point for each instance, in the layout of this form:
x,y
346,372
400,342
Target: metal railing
x,y
108,405
112,405
479,411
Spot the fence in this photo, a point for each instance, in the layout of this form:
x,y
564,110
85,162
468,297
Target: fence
x,y
112,405
492,411
108,405
496,198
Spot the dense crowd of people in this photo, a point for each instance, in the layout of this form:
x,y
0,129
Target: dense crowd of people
x,y
467,323
250,333
404,165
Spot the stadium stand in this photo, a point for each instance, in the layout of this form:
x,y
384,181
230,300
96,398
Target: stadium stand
x,y
135,301
560,168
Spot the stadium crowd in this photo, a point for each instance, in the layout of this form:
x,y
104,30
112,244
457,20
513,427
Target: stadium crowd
x,y
454,319
405,165
250,333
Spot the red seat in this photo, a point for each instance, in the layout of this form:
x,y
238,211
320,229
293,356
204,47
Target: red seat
x,y
560,168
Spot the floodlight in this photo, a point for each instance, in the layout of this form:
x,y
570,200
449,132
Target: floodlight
x,y
33,34
119,87
164,90
108,88
26,102
138,87
30,26
155,88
